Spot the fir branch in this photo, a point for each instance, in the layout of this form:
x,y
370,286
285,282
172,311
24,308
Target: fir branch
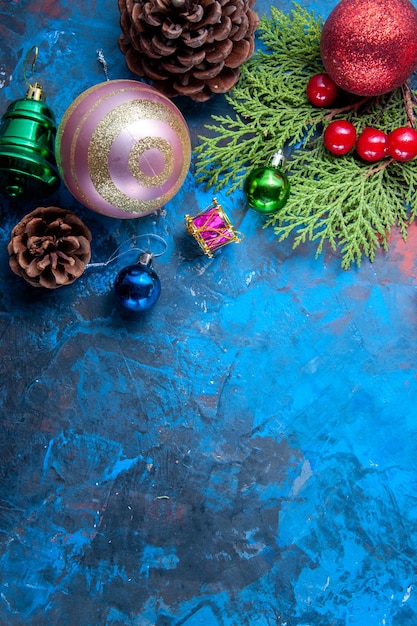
x,y
296,35
350,204
260,114
342,205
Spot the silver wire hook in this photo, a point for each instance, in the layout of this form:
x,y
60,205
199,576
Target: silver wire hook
x,y
101,59
33,51
132,248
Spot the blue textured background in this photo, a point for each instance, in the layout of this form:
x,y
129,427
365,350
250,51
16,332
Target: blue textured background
x,y
243,454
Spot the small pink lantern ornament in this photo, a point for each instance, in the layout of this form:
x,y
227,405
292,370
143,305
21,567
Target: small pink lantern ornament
x,y
123,149
212,229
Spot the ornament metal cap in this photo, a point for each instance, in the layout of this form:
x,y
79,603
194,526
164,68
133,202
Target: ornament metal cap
x,y
146,259
35,92
278,159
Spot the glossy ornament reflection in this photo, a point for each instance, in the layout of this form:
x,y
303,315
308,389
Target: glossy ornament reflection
x,y
137,287
123,149
267,188
28,168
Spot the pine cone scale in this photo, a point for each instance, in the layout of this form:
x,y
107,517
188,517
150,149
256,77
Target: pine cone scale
x,y
224,81
218,53
155,74
24,259
191,59
34,268
151,17
196,39
222,31
239,31
209,72
35,227
188,90
146,47
213,16
159,46
241,49
60,256
170,30
183,46
174,68
196,16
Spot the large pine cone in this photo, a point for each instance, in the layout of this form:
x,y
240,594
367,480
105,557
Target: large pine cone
x,y
188,48
49,247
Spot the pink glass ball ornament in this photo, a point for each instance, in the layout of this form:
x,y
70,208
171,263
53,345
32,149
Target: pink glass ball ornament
x,y
123,149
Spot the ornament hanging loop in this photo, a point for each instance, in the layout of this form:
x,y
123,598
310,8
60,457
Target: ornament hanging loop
x,y
155,237
34,92
102,59
34,51
145,257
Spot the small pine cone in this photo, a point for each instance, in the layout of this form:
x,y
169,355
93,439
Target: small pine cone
x,y
49,247
186,47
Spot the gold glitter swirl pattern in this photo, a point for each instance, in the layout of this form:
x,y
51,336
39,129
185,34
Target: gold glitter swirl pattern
x,y
103,138
141,146
99,148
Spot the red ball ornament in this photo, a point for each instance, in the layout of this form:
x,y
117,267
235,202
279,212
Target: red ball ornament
x,y
369,47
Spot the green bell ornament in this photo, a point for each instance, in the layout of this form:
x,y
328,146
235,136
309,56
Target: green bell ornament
x,y
267,188
28,167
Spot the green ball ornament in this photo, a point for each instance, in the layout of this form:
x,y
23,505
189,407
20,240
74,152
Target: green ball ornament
x,y
267,188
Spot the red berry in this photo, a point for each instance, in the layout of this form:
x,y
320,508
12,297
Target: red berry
x,y
402,144
372,144
339,137
321,90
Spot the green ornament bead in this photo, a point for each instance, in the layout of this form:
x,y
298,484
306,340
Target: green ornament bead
x,y
267,188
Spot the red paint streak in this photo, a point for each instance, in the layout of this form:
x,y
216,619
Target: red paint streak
x,y
84,506
338,326
358,293
51,8
404,253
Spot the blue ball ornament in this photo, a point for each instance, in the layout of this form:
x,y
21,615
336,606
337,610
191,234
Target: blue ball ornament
x,y
137,287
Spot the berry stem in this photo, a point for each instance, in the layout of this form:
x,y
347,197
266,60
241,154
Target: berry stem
x,y
408,103
350,107
379,168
